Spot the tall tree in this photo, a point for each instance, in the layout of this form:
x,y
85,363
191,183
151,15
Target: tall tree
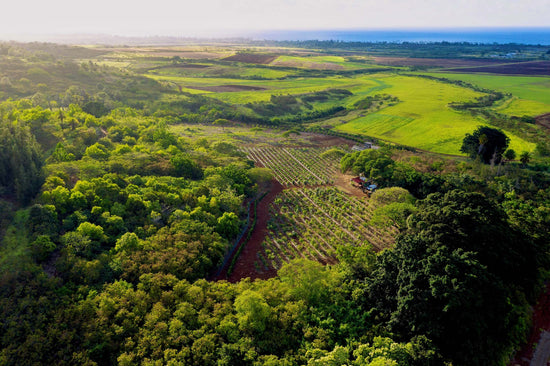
x,y
20,162
487,143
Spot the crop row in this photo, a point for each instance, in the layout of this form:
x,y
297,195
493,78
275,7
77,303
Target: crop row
x,y
295,166
312,222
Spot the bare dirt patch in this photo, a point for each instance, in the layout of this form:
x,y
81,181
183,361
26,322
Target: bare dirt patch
x,y
434,62
521,68
226,88
543,120
342,182
309,65
328,141
252,58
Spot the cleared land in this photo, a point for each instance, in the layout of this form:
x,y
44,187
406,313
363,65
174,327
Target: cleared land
x,y
522,68
298,166
434,62
544,120
251,58
313,222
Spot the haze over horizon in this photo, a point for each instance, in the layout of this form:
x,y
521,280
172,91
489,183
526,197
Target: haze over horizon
x,y
218,18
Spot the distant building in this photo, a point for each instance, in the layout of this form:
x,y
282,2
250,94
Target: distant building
x,y
367,145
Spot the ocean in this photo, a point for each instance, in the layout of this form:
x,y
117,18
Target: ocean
x,y
532,36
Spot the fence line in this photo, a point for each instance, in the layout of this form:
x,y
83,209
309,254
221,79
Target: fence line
x,y
236,243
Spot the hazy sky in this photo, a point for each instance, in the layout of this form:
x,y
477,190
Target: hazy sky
x,y
203,17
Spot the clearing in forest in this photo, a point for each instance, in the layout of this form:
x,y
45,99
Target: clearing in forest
x,y
296,166
312,222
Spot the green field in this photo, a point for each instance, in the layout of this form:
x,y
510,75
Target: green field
x,y
290,86
532,93
423,118
522,107
221,71
320,62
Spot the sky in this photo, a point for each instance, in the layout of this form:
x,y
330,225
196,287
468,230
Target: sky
x,y
187,18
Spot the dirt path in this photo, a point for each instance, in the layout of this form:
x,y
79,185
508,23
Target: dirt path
x,y
244,267
542,353
540,336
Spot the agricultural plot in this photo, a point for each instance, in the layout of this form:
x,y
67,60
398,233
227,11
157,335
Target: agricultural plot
x,y
423,118
528,88
312,222
295,167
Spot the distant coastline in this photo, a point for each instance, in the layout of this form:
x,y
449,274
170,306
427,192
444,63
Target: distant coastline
x,y
529,36
524,36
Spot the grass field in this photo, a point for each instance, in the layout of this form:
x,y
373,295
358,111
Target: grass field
x,y
423,119
221,71
320,63
522,107
291,86
532,92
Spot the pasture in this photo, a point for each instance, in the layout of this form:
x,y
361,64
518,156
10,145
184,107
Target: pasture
x,y
531,91
423,119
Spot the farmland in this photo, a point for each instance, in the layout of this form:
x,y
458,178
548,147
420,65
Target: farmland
x,y
421,119
312,222
298,166
531,92
524,68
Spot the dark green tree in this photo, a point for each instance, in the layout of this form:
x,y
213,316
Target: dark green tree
x,y
487,143
20,162
185,167
455,272
525,157
509,155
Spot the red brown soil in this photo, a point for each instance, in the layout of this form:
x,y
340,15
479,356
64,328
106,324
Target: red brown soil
x,y
434,62
252,58
226,88
342,182
541,322
521,68
543,120
328,141
310,65
244,266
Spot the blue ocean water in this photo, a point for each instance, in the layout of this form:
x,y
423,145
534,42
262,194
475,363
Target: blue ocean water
x,y
533,36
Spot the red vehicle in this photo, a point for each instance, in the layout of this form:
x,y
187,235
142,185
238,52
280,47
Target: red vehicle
x,y
365,185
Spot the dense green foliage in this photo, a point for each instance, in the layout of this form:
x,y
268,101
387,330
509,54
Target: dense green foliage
x,y
20,161
112,226
486,143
